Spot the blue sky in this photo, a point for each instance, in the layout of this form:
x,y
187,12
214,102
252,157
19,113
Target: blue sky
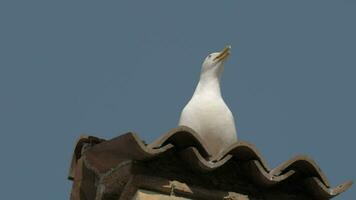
x,y
106,68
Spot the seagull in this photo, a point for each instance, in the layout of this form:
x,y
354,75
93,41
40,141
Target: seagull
x,y
206,112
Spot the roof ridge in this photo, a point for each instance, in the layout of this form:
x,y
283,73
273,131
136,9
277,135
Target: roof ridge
x,y
195,151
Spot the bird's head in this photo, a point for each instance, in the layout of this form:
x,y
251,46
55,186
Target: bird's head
x,y
214,62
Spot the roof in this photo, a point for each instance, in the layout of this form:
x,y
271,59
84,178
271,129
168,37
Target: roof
x,y
104,155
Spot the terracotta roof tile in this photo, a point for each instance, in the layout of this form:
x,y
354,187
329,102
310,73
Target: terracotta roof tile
x,y
105,155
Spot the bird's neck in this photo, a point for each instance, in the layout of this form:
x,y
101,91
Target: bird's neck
x,y
209,84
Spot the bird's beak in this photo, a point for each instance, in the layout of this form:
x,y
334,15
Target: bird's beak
x,y
223,54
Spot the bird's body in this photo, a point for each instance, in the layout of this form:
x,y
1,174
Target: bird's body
x,y
206,112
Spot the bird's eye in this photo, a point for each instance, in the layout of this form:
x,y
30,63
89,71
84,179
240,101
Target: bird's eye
x,y
209,56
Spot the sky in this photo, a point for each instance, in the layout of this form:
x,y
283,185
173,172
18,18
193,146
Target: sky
x,y
104,68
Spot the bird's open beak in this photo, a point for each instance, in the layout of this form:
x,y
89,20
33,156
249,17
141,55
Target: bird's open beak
x,y
223,54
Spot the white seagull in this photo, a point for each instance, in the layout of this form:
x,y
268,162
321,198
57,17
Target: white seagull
x,y
206,112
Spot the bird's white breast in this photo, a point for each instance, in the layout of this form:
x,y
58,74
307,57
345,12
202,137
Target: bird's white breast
x,y
210,117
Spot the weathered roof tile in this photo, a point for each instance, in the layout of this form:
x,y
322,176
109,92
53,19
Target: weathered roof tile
x,y
104,155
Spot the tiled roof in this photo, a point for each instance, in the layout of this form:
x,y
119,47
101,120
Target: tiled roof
x,y
105,155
